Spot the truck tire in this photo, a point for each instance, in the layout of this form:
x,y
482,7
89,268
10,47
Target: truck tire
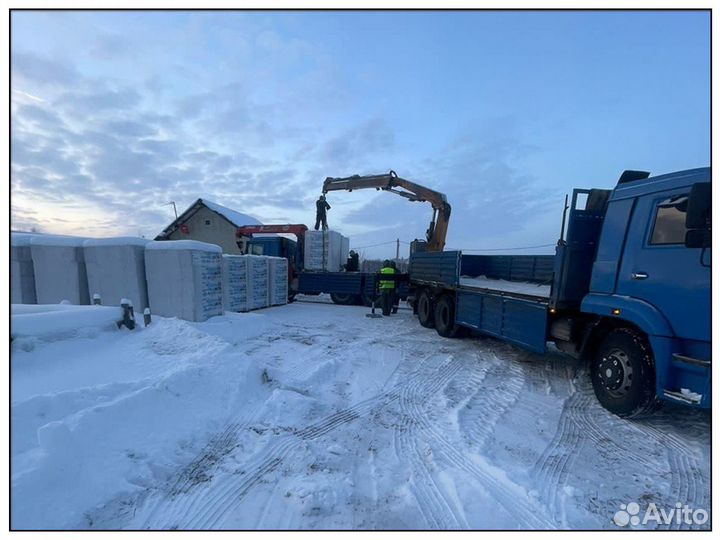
x,y
343,299
445,317
623,374
426,309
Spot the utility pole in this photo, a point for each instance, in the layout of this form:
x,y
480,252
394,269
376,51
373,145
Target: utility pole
x,y
397,249
174,207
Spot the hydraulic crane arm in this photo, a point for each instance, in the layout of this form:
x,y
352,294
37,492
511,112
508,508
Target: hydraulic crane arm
x,y
437,231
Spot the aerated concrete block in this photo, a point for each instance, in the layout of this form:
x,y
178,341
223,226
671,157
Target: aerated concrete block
x,y
278,281
22,273
234,282
324,251
184,279
59,266
116,270
257,283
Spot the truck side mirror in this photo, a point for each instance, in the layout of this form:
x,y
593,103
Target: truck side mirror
x,y
699,206
698,216
698,238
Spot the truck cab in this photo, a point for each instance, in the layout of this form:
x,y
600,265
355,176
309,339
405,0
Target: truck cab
x,y
651,276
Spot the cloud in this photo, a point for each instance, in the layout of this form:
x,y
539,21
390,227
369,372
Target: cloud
x,y
371,136
42,71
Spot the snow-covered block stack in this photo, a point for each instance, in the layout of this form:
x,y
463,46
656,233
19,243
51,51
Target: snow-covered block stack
x,y
234,282
59,266
116,270
184,279
325,250
258,270
22,274
278,281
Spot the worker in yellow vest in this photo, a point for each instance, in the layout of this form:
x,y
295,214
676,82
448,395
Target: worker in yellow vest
x,y
387,288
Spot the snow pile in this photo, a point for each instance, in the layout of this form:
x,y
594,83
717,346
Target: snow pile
x,y
116,270
277,281
59,267
22,273
325,250
234,282
30,323
184,279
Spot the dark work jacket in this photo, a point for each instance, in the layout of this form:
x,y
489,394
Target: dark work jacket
x,y
322,206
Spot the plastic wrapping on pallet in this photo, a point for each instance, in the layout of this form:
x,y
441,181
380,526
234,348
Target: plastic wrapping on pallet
x,y
59,268
184,279
234,282
278,281
325,250
258,271
116,270
22,273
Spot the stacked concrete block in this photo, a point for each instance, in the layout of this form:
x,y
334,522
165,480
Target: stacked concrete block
x,y
257,281
234,282
22,273
59,266
278,281
325,251
116,270
184,279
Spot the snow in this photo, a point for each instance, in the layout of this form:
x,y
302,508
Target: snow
x,y
519,287
57,240
236,218
50,320
313,416
182,244
21,239
116,241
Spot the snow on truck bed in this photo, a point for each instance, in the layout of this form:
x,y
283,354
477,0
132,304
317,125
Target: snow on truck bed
x,y
312,416
519,287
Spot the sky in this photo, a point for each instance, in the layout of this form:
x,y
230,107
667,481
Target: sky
x,y
113,114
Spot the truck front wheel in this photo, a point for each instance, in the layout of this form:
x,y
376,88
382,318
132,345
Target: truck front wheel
x,y
445,317
425,309
623,374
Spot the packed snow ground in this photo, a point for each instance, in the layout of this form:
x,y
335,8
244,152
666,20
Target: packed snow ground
x,y
312,416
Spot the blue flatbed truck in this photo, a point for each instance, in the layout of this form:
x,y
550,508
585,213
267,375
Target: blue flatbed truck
x,y
344,288
628,289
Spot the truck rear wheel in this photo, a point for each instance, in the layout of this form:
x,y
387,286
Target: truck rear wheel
x,y
426,309
623,374
343,299
445,317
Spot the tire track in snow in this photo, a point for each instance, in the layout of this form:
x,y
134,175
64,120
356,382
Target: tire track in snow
x,y
551,469
434,507
206,511
511,496
489,403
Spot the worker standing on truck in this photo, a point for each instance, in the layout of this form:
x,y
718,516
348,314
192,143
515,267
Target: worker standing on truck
x,y
353,262
387,288
322,207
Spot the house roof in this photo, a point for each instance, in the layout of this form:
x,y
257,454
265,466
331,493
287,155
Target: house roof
x,y
236,218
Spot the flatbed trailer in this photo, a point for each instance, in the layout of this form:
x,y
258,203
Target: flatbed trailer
x,y
346,288
628,289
